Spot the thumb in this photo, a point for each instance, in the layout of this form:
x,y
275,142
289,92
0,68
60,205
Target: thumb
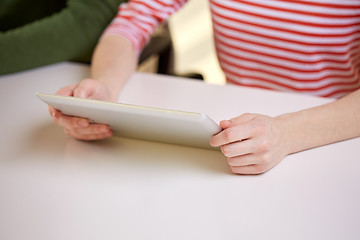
x,y
224,124
80,92
85,89
67,91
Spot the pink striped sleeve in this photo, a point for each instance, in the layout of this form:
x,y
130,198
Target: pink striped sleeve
x,y
137,19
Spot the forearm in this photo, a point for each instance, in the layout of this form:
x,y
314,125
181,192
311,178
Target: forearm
x,y
115,57
322,125
114,61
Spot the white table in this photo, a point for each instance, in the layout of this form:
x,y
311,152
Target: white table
x,y
54,187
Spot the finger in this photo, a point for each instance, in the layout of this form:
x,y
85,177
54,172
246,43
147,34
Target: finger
x,y
237,148
88,137
232,134
51,111
244,118
244,160
86,89
91,135
250,169
92,129
67,91
224,124
82,92
69,121
55,114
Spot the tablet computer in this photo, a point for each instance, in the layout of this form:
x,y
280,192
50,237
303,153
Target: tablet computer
x,y
140,122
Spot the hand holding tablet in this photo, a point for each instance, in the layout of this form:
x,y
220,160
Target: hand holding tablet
x,y
147,123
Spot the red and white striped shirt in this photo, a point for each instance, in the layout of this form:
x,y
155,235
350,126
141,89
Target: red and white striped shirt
x,y
307,46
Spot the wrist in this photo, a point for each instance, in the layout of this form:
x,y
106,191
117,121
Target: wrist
x,y
290,133
110,91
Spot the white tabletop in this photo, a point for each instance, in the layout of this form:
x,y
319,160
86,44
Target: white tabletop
x,y
55,187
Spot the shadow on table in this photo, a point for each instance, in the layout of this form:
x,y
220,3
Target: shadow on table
x,y
51,143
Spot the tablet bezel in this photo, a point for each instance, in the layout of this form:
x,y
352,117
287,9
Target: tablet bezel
x,y
140,122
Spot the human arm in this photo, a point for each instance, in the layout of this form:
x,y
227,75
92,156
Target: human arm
x,y
114,61
255,143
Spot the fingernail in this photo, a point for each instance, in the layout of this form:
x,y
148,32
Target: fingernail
x,y
79,93
55,115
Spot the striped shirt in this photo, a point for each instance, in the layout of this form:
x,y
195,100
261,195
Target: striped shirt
x,y
306,46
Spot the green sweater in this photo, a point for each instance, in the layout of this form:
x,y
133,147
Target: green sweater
x,y
40,32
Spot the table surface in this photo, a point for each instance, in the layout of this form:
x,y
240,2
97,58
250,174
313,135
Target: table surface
x,y
55,187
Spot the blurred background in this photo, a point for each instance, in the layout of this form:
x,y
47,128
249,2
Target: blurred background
x,y
193,45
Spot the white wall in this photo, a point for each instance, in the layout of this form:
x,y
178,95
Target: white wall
x,y
191,31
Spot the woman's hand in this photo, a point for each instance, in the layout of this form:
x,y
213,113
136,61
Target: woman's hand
x,y
81,128
252,143
114,61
